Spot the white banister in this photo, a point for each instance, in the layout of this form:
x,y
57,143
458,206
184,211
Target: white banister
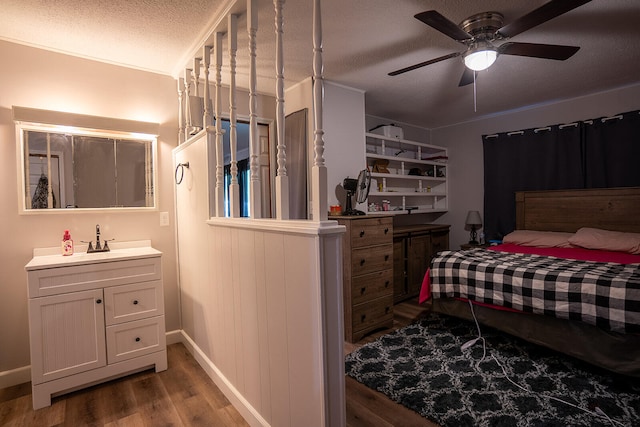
x,y
181,123
219,193
255,203
206,115
282,180
196,76
234,189
187,109
319,188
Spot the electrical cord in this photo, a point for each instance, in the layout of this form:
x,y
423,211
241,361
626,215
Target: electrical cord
x,y
596,411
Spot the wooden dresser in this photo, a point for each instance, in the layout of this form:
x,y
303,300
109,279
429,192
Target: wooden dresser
x,y
367,275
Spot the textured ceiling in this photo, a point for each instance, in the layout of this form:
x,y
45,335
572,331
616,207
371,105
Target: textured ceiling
x,y
363,41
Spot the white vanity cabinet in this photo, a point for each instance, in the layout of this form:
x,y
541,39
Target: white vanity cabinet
x,y
93,317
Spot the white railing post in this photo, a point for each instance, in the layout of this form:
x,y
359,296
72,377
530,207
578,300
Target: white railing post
x,y
181,124
319,170
282,180
255,204
234,189
187,109
196,76
206,114
219,193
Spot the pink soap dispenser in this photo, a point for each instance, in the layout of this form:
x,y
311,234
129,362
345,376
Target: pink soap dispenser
x,y
67,244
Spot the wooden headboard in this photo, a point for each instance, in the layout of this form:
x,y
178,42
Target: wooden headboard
x,y
615,209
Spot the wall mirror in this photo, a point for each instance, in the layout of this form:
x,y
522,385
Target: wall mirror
x,y
65,167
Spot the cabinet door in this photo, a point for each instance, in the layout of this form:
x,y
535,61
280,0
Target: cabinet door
x,y
67,334
418,258
399,269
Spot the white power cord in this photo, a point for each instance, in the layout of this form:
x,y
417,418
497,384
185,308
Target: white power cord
x,y
597,411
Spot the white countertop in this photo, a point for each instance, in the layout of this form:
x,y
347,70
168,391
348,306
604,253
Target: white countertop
x,y
51,257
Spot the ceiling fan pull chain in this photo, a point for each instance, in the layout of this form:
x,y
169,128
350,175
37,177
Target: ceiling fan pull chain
x,y
475,106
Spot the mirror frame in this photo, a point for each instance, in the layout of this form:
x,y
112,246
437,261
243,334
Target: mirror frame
x,y
57,122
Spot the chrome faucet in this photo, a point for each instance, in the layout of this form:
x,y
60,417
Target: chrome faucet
x,y
99,247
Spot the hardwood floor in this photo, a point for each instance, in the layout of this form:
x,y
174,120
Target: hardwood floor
x,y
184,395
367,407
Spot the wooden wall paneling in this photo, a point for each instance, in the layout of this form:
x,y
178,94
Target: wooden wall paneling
x,y
304,333
277,329
248,313
264,403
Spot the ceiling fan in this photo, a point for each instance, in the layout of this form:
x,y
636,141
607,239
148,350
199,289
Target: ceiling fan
x,y
485,37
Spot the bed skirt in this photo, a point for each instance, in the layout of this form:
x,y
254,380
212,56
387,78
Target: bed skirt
x,y
613,351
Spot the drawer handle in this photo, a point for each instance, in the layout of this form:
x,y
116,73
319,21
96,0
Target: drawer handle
x,y
386,257
135,302
98,301
386,284
386,310
362,233
137,339
362,290
386,230
362,262
364,316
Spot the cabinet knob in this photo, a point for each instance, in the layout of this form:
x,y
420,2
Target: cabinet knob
x,y
363,317
135,302
137,339
98,301
386,257
386,284
386,310
386,230
362,262
362,290
362,233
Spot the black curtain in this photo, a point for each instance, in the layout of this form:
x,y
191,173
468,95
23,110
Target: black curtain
x,y
533,159
612,151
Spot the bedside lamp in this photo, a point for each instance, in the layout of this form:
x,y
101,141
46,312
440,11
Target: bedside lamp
x,y
474,221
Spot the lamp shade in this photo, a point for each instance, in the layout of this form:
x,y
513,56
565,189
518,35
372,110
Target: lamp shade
x,y
473,218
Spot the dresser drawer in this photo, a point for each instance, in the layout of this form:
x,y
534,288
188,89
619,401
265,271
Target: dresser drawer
x,y
375,231
372,259
132,339
372,314
371,286
133,302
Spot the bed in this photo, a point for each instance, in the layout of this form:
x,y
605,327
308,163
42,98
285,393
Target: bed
x,y
552,295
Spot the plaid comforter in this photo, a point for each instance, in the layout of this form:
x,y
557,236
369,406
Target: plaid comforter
x,y
606,295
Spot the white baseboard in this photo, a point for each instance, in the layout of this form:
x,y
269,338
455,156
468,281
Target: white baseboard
x,y
249,413
15,376
174,337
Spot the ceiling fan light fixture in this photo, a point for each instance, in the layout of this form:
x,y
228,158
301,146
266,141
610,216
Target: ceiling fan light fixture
x,y
480,56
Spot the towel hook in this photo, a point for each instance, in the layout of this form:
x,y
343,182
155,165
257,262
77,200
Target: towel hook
x,y
180,168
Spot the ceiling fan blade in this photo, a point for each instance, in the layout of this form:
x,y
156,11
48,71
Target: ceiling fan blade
x,y
424,64
442,24
467,77
538,16
536,50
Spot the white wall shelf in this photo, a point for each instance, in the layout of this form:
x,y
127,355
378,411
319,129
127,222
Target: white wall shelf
x,y
423,191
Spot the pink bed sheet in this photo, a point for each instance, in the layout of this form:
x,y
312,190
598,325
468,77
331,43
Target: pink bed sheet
x,y
569,253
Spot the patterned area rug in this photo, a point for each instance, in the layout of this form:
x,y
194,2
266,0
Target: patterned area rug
x,y
422,367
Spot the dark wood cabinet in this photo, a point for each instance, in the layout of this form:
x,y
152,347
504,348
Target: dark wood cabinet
x,y
413,248
368,266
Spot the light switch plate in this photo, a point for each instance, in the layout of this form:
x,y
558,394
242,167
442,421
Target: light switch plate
x,y
164,219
